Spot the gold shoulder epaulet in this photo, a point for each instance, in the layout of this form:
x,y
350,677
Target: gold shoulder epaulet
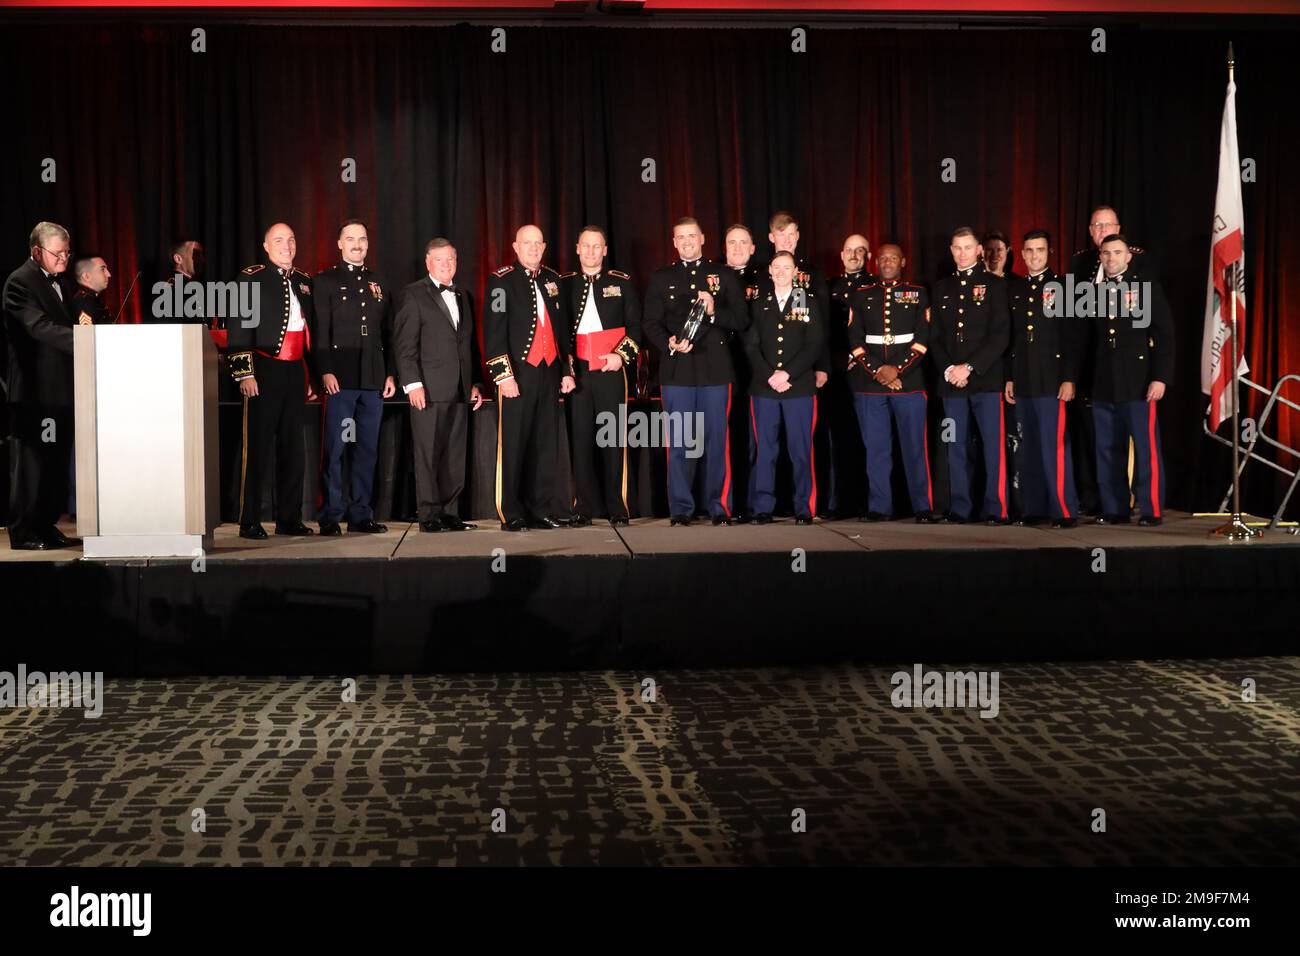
x,y
504,271
566,275
619,275
298,271
548,269
253,270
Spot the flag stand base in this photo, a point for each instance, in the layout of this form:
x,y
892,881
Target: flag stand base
x,y
1237,530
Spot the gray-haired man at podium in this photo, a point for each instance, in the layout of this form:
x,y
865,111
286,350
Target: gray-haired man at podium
x,y
266,359
38,334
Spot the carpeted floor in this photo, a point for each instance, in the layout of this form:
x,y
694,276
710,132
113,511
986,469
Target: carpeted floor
x,y
716,770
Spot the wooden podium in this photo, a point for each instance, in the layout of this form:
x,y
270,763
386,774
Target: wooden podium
x,y
146,439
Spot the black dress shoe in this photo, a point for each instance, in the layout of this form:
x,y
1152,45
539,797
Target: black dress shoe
x,y
57,539
618,521
369,526
682,520
1150,521
453,523
432,526
930,517
744,517
29,544
720,519
298,530
951,518
803,519
579,521
331,529
763,517
253,532
544,523
1029,521
1064,522
514,524
1113,519
992,521
874,516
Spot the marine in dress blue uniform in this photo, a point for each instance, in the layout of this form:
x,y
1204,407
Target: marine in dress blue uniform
x,y
968,343
784,340
888,336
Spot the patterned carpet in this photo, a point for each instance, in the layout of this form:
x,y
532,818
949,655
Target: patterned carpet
x,y
714,771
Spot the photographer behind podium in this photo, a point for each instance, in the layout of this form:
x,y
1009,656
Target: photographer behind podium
x,y
39,384
266,359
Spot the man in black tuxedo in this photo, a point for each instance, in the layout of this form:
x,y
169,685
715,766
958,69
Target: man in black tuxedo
x,y
38,330
439,367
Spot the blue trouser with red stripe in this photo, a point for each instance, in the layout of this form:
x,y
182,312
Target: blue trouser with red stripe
x,y
874,415
1116,423
800,416
708,406
1046,471
986,409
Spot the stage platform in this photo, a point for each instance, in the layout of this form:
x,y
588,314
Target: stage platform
x,y
652,596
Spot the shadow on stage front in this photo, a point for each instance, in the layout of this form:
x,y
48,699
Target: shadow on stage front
x,y
653,595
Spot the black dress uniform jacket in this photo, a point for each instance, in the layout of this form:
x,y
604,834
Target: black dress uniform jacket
x,y
265,332
839,291
668,300
510,318
970,326
1086,262
354,322
617,305
1045,350
888,309
786,339
87,302
1127,359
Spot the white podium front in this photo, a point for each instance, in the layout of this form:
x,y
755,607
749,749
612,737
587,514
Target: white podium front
x,y
146,439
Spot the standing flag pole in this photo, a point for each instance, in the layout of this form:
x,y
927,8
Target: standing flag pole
x,y
1225,299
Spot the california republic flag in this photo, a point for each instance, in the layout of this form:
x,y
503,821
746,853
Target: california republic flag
x,y
1225,293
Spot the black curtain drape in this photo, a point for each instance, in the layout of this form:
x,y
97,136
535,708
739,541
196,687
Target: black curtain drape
x,y
152,140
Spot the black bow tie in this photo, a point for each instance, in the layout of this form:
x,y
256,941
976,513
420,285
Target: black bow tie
x,y
53,277
443,288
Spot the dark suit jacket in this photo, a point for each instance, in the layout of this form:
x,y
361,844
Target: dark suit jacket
x,y
38,334
429,350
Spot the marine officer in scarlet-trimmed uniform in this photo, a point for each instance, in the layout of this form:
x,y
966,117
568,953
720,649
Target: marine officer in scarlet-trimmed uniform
x,y
526,337
604,314
266,359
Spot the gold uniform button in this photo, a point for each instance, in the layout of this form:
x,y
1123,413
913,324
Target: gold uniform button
x,y
780,338
1031,312
1029,328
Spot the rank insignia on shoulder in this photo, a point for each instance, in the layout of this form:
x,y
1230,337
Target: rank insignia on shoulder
x,y
253,270
84,319
377,292
612,292
566,275
619,275
504,271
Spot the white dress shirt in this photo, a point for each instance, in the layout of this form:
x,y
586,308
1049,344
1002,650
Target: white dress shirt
x,y
590,317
